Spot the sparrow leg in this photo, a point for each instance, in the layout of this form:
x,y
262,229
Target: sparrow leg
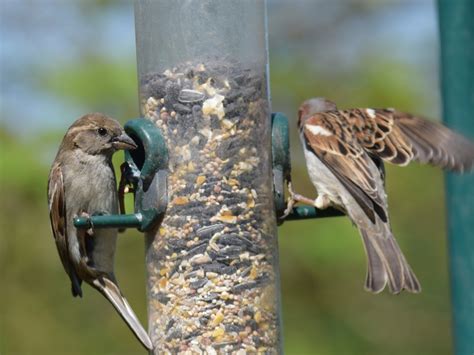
x,y
299,198
123,189
294,198
82,235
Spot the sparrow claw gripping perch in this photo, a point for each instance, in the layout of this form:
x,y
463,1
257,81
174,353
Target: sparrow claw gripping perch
x,y
289,207
86,215
125,187
128,179
295,198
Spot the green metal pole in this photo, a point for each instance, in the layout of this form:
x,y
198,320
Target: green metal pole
x,y
457,79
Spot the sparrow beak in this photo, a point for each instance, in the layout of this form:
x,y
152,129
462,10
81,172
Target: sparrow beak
x,y
123,142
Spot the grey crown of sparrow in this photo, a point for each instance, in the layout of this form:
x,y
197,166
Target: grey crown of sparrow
x,y
82,182
344,150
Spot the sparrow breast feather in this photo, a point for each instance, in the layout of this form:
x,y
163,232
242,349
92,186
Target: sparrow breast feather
x,y
344,151
82,182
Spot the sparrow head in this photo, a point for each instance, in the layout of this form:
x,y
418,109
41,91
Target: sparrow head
x,y
96,133
312,106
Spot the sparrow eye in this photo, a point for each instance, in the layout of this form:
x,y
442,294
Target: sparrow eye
x,y
102,131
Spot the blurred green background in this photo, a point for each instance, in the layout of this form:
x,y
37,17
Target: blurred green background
x,y
61,59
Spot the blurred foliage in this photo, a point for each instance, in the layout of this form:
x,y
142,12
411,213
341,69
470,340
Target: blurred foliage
x,y
325,309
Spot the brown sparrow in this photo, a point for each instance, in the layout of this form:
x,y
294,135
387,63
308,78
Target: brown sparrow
x,y
344,150
82,182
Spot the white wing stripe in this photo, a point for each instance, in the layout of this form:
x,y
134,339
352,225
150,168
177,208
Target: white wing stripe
x,y
370,112
318,130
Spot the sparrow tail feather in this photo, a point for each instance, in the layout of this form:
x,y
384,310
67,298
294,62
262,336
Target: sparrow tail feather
x,y
386,263
76,286
111,291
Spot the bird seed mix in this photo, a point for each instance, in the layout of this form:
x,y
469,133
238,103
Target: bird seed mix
x,y
212,266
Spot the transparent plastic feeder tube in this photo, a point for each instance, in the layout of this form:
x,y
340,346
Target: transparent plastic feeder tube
x,y
213,283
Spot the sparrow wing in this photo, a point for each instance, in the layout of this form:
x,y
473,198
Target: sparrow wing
x,y
400,138
332,141
57,215
111,291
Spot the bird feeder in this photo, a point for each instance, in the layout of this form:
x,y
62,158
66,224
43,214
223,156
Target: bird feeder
x,y
212,263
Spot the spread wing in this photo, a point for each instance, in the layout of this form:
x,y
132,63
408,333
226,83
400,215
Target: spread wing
x,y
400,138
57,215
333,142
